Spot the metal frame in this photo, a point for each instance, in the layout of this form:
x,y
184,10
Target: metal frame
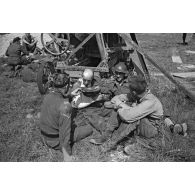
x,y
104,53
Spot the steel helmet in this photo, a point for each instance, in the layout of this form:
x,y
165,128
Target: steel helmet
x,y
88,74
121,67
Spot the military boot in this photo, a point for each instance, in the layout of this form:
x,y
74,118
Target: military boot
x,y
180,129
101,139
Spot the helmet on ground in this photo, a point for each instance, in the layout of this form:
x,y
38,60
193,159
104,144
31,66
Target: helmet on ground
x,y
60,80
121,67
88,74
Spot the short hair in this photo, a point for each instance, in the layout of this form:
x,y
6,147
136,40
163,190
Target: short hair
x,y
16,39
137,84
60,80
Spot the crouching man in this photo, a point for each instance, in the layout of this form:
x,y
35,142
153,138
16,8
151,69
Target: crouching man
x,y
55,120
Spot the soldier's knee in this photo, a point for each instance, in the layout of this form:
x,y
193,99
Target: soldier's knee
x,y
146,129
151,133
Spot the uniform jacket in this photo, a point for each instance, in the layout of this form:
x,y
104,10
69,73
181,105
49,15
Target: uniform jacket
x,y
14,53
55,120
149,106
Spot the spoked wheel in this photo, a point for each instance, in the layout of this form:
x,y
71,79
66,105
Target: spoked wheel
x,y
43,80
55,43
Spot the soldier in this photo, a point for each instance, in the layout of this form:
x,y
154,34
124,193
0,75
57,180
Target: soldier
x,y
29,42
17,55
121,79
117,86
86,100
56,120
144,115
86,90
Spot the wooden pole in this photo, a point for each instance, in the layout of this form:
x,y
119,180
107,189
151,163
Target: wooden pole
x,y
101,46
141,58
137,48
80,45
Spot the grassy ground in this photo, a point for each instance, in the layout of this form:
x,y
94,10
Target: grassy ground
x,y
20,104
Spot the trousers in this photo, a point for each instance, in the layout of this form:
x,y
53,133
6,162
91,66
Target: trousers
x,y
143,127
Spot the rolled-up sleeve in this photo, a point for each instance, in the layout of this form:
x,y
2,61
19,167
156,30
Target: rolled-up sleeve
x,y
132,114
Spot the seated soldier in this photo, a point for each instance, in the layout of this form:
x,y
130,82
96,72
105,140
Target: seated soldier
x,y
144,115
120,85
17,55
88,100
86,90
29,42
56,120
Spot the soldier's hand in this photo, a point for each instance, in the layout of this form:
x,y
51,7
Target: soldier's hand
x,y
76,92
123,97
100,97
116,100
108,104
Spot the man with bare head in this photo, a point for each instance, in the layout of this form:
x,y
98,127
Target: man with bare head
x,y
86,90
57,129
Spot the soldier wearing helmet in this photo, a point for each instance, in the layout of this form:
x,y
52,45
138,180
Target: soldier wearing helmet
x,y
121,75
120,71
120,84
119,90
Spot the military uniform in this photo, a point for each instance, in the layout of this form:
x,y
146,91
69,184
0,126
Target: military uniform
x,y
56,122
146,115
30,39
15,54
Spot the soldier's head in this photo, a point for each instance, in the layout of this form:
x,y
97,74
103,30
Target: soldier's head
x,y
17,40
88,76
60,80
120,71
137,85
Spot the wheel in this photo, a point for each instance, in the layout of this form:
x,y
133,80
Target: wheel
x,y
55,43
43,82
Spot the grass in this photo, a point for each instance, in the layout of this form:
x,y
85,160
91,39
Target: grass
x,y
20,137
